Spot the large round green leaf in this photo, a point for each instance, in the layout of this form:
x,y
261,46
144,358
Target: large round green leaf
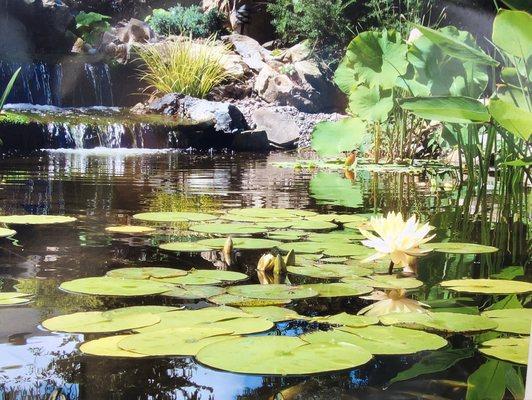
x,y
205,277
512,33
514,119
338,218
4,232
108,347
512,320
228,229
440,322
345,319
145,273
35,219
107,286
173,216
459,248
185,247
244,326
330,271
338,289
307,225
281,292
273,313
514,350
452,109
333,138
380,339
384,282
241,243
240,301
347,250
271,212
194,292
280,355
371,104
13,298
302,247
488,286
98,322
135,310
334,237
286,235
130,229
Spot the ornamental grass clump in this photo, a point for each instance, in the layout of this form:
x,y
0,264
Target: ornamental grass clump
x,y
183,66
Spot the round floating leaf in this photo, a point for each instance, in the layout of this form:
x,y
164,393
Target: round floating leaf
x,y
330,271
334,237
4,232
107,286
286,235
13,298
146,273
338,218
384,282
345,319
512,320
274,224
306,225
487,286
271,213
241,243
347,250
440,322
459,248
281,292
135,310
243,326
274,314
35,219
130,229
185,247
206,277
171,216
228,229
173,342
108,347
338,289
280,355
302,247
194,292
333,260
97,322
514,350
380,339
240,301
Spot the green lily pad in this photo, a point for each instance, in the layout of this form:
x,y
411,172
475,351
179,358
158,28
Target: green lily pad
x,y
107,286
240,301
487,286
185,247
380,339
511,320
97,322
302,247
194,292
145,273
271,213
135,310
334,237
273,313
306,225
241,243
228,229
108,347
243,326
440,322
339,218
459,248
514,350
384,282
13,298
347,250
275,224
130,229
281,292
35,219
330,271
334,260
173,342
355,226
280,355
254,220
345,319
205,277
172,216
338,289
4,232
287,235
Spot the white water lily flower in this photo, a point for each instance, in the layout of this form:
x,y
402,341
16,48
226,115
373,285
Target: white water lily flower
x,y
397,238
394,301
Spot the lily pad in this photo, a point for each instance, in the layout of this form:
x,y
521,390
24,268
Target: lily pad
x,y
281,292
345,319
275,224
228,229
135,310
384,282
97,322
171,216
280,355
487,286
241,243
35,219
512,320
334,260
273,313
380,339
514,350
330,271
205,277
306,225
302,247
286,235
13,298
145,273
338,289
459,248
347,250
271,212
339,218
185,247
243,326
334,237
240,301
4,232
130,229
107,286
108,347
440,322
194,292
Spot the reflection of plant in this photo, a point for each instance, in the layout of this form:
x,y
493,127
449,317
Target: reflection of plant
x,y
91,26
191,20
393,301
176,202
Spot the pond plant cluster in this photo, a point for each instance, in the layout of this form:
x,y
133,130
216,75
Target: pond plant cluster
x,y
306,256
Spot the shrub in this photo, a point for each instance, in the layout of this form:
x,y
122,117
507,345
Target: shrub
x,y
191,20
183,66
91,26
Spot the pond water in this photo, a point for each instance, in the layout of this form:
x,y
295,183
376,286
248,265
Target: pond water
x,y
103,187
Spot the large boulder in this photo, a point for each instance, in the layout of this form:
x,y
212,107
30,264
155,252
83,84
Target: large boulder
x,y
281,128
252,53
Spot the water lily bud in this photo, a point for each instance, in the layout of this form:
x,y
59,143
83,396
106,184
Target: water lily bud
x,y
227,251
279,266
266,262
290,258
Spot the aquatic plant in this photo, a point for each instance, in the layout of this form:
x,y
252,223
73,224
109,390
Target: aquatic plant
x,y
183,66
392,301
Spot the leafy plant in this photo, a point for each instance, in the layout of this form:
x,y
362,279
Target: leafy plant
x,y
8,89
191,20
91,26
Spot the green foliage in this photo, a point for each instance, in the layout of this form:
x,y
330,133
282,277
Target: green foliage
x,y
348,134
191,20
183,66
91,26
8,89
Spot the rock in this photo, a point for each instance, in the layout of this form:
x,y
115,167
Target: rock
x,y
168,104
226,117
255,140
135,31
299,52
234,64
252,53
281,129
117,42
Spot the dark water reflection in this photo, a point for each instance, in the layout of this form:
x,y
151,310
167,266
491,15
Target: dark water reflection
x,y
102,188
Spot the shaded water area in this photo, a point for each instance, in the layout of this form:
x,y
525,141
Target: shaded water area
x,y
104,187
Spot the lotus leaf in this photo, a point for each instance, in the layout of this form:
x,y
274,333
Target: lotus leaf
x,y
512,320
173,342
185,247
271,213
130,229
241,243
98,322
4,232
487,286
277,292
108,347
338,289
330,271
145,273
385,282
13,298
194,292
228,229
205,277
240,301
35,219
172,216
380,339
345,319
280,355
459,248
514,350
273,313
306,225
440,322
107,286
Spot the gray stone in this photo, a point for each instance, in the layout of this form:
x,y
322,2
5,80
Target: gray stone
x,y
252,53
226,117
299,52
281,128
256,140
